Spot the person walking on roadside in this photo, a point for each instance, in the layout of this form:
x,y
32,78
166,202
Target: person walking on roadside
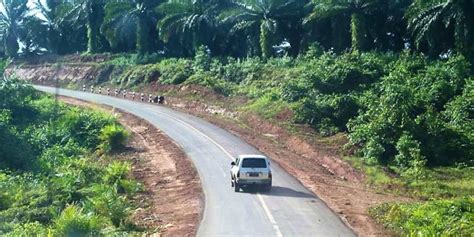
x,y
100,89
133,95
83,88
108,91
150,98
142,97
124,94
116,92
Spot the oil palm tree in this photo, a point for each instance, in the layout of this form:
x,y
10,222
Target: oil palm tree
x,y
426,17
191,21
91,14
130,21
12,18
48,13
261,19
356,10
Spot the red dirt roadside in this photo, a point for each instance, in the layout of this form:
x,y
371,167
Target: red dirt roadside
x,y
171,204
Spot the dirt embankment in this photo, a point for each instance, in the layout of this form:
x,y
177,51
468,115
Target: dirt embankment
x,y
316,165
171,204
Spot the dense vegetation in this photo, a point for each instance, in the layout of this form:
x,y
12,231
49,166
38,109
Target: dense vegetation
x,y
405,112
238,28
52,182
395,76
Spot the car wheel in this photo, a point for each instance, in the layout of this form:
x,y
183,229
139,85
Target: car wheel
x,y
236,187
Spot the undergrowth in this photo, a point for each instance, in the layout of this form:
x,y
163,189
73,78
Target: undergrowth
x,y
52,180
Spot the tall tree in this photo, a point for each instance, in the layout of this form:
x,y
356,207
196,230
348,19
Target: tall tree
x,y
191,21
48,12
356,10
91,14
12,22
430,20
264,17
131,21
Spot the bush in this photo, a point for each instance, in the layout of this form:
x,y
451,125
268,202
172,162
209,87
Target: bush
x,y
50,154
175,71
432,218
405,122
74,222
105,201
113,138
33,229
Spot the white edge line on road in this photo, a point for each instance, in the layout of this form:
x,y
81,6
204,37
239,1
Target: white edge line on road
x,y
260,198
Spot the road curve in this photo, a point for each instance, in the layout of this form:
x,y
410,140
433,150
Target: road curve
x,y
288,210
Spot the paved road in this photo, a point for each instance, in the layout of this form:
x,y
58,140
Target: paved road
x,y
288,210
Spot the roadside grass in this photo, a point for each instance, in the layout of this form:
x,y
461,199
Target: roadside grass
x,y
266,106
452,217
445,195
439,182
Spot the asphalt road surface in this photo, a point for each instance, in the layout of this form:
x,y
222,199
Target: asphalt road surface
x,y
289,209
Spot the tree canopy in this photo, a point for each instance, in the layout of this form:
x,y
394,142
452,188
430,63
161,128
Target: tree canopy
x,y
236,28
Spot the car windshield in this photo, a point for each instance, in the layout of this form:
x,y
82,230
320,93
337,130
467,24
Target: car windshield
x,y
254,163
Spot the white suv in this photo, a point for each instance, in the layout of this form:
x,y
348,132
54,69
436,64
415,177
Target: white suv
x,y
249,170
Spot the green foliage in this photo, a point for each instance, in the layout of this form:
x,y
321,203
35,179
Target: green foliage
x,y
202,59
47,169
326,91
447,17
32,229
175,71
268,106
12,20
405,115
113,138
74,222
432,218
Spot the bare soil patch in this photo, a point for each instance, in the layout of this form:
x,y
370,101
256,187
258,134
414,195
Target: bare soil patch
x,y
171,204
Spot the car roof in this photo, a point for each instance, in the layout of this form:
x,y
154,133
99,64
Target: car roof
x,y
252,156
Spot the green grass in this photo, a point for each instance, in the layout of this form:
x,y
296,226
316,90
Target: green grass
x,y
441,182
433,218
445,194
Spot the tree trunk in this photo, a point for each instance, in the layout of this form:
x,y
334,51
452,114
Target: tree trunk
x,y
143,43
358,32
266,39
464,31
340,33
95,17
11,45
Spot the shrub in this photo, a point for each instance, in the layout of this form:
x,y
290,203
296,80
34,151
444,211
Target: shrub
x,y
33,229
432,218
74,222
112,137
15,152
105,201
175,71
404,119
